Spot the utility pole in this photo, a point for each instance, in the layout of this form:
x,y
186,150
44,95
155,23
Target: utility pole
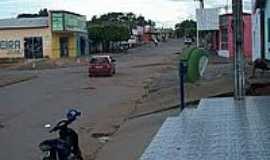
x,y
202,3
239,64
198,32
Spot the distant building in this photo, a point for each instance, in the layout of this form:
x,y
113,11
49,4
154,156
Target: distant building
x,y
143,34
150,34
61,34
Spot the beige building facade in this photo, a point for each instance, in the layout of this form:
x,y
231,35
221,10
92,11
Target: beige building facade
x,y
12,42
61,34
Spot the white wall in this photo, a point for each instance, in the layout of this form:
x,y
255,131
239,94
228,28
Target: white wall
x,y
20,34
267,17
256,35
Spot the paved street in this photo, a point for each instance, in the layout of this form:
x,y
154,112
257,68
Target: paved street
x,y
134,137
104,101
45,50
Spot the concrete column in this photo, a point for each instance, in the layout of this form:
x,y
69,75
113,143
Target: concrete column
x,y
239,66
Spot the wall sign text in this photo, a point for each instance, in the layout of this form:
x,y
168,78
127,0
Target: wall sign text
x,y
11,44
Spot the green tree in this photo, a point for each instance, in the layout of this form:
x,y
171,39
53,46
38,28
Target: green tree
x,y
114,27
141,21
96,33
41,13
104,34
186,28
151,23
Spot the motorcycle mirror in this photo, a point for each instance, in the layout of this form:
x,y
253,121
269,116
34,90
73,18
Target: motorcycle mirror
x,y
47,126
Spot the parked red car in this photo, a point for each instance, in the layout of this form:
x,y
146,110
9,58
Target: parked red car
x,y
101,66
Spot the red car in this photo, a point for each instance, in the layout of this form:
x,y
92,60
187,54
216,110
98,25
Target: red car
x,y
101,65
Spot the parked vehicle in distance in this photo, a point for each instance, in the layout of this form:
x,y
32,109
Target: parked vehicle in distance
x,y
132,42
101,65
188,41
124,46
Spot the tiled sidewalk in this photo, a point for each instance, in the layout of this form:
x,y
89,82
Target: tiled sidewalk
x,y
220,129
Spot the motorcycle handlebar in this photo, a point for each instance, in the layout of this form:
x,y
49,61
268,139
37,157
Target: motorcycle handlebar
x,y
71,117
60,125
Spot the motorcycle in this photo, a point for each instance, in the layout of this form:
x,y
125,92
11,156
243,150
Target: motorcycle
x,y
66,146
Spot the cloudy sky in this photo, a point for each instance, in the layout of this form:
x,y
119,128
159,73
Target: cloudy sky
x,y
164,12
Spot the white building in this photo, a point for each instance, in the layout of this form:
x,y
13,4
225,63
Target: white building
x,y
256,32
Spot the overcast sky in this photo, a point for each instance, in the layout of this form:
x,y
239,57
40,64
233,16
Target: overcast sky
x,y
164,12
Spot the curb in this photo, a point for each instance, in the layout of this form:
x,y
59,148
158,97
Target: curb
x,y
195,102
162,110
17,81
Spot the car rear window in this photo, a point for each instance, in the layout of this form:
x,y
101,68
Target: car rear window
x,y
99,60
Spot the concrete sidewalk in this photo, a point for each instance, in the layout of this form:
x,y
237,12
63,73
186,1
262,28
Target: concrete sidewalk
x,y
221,128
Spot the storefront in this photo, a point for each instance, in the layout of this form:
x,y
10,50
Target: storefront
x,y
61,34
69,34
226,44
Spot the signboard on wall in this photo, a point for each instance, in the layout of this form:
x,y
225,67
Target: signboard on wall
x,y
10,45
207,19
75,23
64,21
57,22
